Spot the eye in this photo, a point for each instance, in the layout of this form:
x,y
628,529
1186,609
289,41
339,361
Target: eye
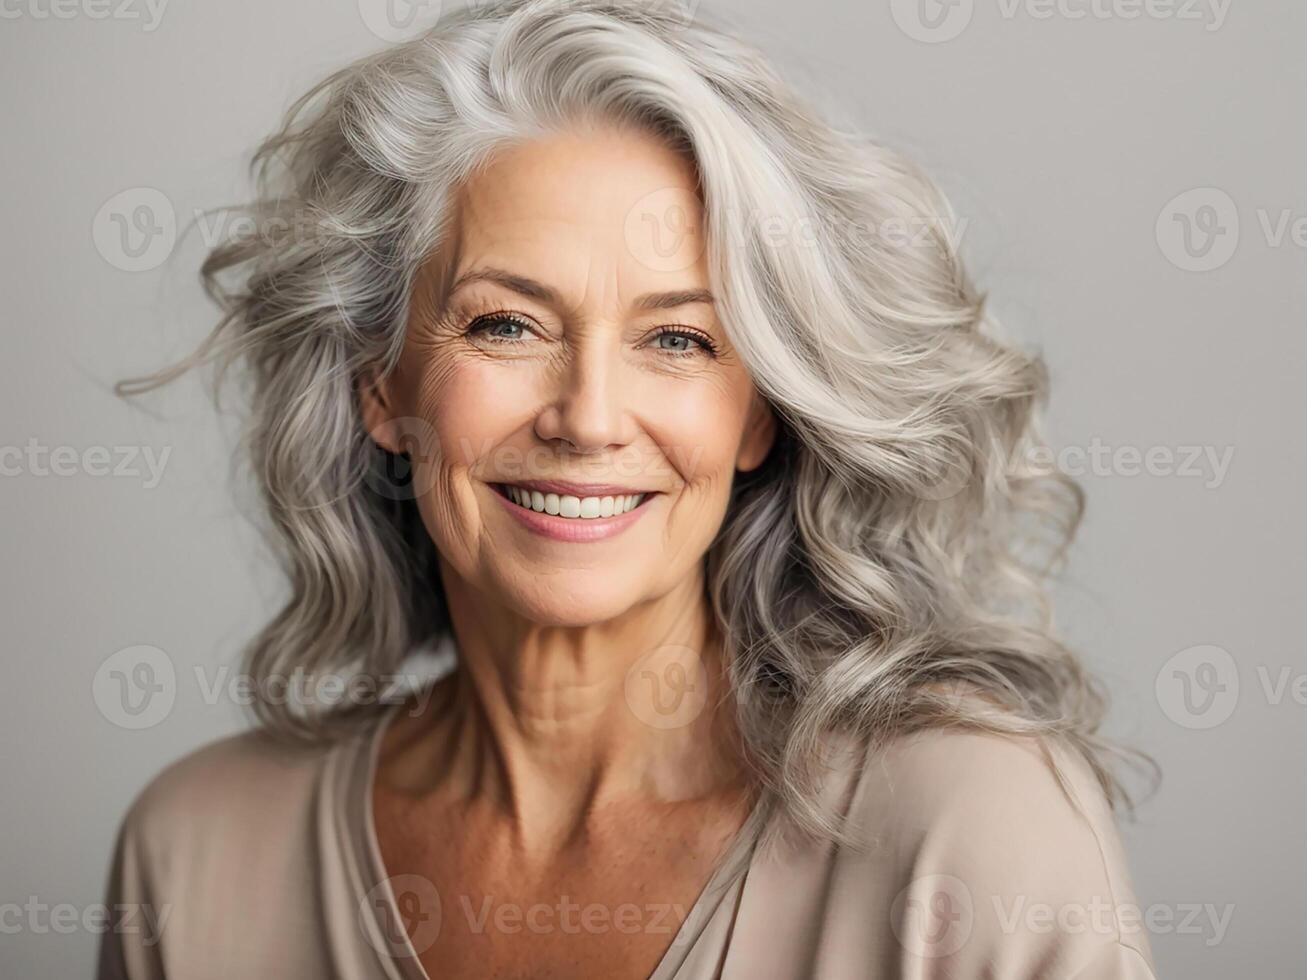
x,y
500,328
682,338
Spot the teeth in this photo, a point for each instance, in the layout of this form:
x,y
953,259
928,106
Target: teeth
x,y
565,505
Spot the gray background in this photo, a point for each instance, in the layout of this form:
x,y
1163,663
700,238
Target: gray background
x,y
1066,143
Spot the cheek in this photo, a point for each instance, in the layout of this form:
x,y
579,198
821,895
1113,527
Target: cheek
x,y
698,428
472,407
464,407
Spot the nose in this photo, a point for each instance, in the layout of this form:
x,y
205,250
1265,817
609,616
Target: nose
x,y
587,409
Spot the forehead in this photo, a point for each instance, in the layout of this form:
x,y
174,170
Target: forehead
x,y
609,201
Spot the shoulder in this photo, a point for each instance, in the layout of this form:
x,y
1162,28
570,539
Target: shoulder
x,y
246,800
227,834
943,774
242,779
1019,796
1002,845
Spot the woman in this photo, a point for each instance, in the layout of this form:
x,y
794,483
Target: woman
x,y
596,360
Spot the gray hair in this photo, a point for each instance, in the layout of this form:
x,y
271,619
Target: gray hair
x,y
893,551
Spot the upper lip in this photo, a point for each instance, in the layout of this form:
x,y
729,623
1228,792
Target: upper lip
x,y
575,489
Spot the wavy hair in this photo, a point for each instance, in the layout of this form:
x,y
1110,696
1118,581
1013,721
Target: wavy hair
x,y
896,546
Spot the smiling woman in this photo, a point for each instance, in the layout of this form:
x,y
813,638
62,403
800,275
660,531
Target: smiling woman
x,y
720,531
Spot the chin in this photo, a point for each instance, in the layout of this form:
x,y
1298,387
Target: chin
x,y
573,607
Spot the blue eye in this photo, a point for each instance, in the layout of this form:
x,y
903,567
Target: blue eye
x,y
490,323
684,335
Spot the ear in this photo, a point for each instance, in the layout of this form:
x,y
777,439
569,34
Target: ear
x,y
759,434
377,409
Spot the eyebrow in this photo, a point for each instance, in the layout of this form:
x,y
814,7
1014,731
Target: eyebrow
x,y
545,294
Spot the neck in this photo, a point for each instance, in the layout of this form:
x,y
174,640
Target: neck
x,y
550,724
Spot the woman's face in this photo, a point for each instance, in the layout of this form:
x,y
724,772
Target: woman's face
x,y
579,345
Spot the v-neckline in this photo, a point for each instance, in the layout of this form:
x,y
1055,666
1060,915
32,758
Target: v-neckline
x,y
407,965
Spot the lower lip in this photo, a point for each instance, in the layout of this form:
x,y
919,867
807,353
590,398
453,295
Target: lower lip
x,y
575,529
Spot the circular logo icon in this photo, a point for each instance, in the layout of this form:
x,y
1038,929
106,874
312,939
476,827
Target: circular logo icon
x,y
667,687
135,230
945,479
1198,231
394,21
663,230
135,687
409,471
680,12
400,916
1198,687
932,21
933,916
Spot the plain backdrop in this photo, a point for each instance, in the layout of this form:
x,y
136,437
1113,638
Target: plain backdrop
x,y
1131,177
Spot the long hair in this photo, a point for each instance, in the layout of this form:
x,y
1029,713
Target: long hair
x,y
886,569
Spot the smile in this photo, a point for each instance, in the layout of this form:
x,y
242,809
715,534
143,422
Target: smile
x,y
573,517
571,507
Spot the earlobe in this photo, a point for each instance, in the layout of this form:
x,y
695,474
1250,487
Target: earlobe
x,y
375,410
758,437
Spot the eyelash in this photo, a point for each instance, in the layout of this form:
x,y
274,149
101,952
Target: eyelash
x,y
480,324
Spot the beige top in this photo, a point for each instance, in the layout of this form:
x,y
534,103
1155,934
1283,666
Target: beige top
x,y
248,858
